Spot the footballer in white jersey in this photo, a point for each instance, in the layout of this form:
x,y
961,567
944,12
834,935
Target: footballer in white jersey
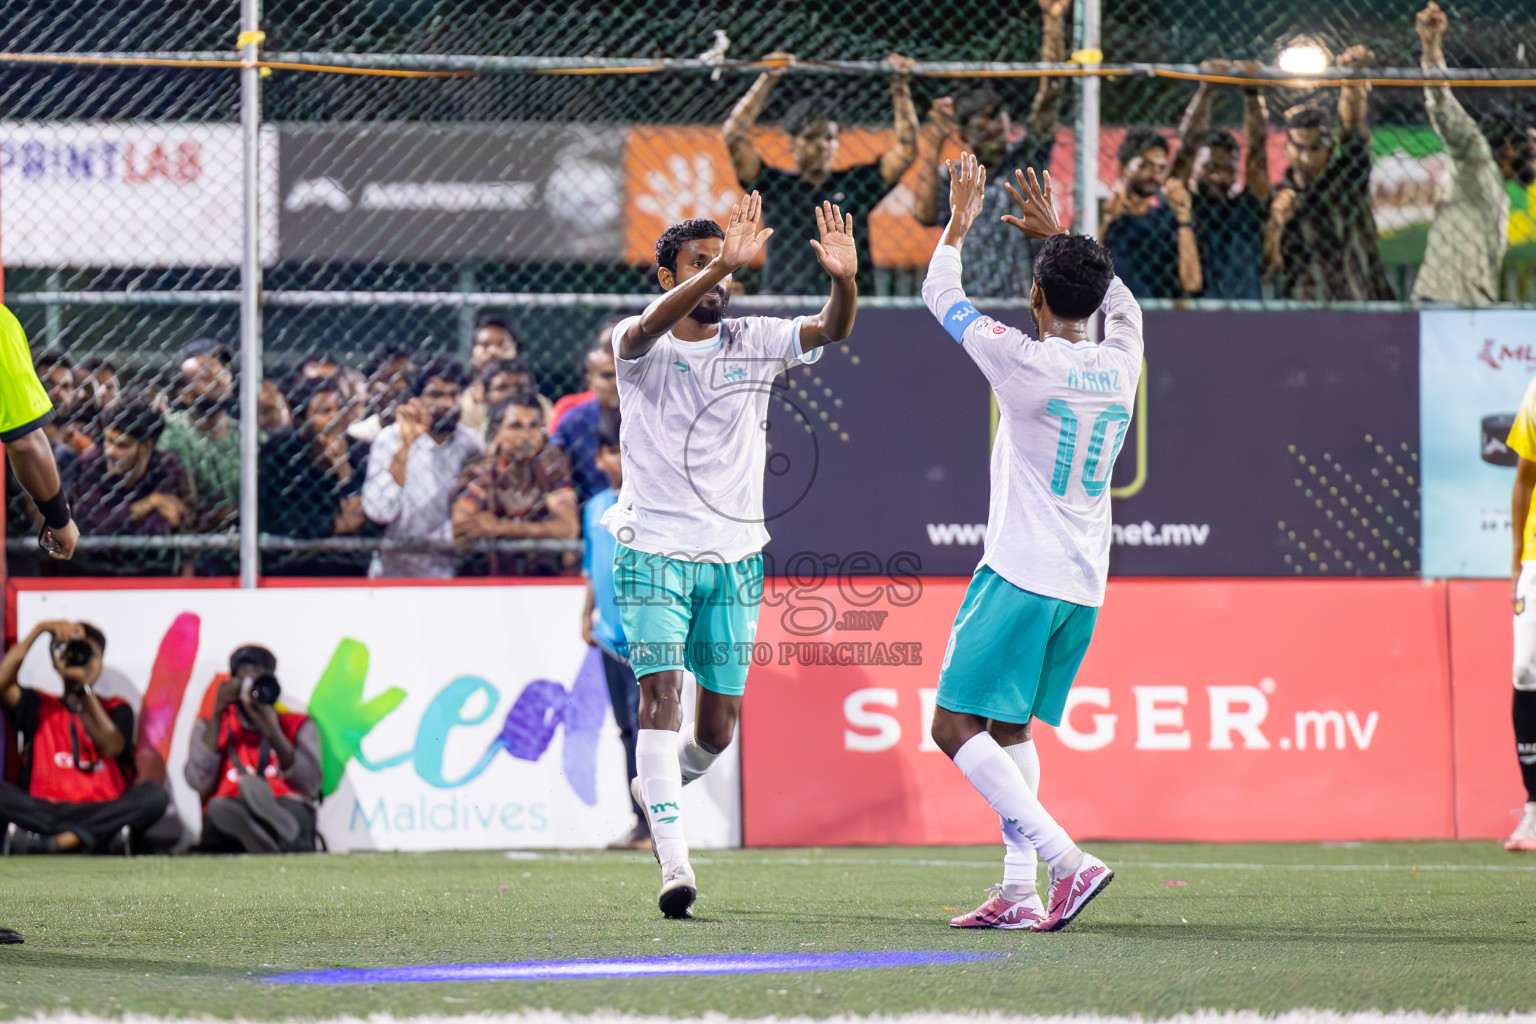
x,y
688,572
1064,408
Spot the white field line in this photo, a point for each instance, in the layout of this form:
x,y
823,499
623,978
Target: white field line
x,y
1160,864
612,1017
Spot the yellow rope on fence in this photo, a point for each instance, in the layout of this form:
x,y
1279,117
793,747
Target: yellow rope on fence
x,y
217,65
768,65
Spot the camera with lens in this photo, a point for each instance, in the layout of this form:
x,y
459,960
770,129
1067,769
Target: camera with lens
x,y
263,688
73,653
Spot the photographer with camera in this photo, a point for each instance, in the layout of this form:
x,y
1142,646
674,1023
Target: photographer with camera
x,y
76,791
257,768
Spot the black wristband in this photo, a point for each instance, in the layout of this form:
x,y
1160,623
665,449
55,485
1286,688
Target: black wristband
x,y
55,511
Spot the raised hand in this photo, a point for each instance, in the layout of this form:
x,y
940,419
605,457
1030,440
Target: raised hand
x,y
1431,23
744,233
1179,200
1357,56
967,190
1037,206
836,251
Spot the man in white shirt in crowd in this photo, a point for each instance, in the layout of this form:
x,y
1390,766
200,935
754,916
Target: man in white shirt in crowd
x,y
694,389
414,467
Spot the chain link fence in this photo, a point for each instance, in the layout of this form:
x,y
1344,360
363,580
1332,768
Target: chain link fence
x,y
474,233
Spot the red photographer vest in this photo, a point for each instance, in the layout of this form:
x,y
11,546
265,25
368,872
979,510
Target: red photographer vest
x,y
246,751
66,767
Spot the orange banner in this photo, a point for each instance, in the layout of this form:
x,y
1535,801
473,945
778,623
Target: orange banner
x,y
1248,710
673,173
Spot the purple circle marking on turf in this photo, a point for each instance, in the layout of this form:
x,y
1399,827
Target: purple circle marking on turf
x,y
631,967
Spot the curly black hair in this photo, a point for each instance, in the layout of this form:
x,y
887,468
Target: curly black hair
x,y
679,235
1220,138
135,417
1137,141
442,367
1073,271
807,113
1308,116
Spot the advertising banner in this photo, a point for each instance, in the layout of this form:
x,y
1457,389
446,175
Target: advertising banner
x,y
1263,444
1475,367
1214,711
1489,793
128,194
450,717
369,192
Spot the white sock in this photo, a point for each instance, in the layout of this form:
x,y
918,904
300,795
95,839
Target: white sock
x,y
661,790
1025,821
693,759
1019,868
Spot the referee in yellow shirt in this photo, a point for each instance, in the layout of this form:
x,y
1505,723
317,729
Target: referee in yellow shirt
x,y
24,411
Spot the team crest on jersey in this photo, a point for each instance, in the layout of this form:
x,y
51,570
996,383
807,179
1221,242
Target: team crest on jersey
x,y
734,372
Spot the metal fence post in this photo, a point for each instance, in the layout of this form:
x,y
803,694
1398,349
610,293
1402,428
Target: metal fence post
x,y
1088,54
250,290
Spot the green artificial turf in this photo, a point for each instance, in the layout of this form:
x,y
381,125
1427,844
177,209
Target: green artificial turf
x,y
1433,926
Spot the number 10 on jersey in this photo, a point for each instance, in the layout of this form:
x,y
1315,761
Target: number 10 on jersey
x,y
1066,447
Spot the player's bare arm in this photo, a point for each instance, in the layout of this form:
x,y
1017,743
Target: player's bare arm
x,y
900,156
1037,205
31,458
744,239
744,115
1519,511
967,192
840,259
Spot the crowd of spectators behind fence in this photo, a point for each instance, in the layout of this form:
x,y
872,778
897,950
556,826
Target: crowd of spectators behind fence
x,y
418,459
418,465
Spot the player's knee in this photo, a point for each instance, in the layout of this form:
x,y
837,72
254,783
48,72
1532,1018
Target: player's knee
x,y
1525,678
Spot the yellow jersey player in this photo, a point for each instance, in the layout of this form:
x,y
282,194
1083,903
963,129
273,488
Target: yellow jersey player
x,y
1522,441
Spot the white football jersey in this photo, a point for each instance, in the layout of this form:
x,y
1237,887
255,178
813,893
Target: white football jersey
x,y
1064,412
693,438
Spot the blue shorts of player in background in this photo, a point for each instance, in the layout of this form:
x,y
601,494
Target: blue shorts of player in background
x,y
698,616
1012,653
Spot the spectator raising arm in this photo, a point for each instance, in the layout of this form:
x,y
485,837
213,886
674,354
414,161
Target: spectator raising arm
x,y
743,117
1177,194
896,160
1043,115
1354,98
1256,128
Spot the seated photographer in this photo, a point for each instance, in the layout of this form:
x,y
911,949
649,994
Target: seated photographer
x,y
76,792
257,768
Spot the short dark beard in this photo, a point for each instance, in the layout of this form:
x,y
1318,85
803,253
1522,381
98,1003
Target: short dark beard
x,y
706,315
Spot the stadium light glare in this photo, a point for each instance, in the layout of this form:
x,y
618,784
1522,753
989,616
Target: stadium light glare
x,y
1303,58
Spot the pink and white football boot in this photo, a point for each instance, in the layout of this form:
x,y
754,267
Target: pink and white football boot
x,y
1071,893
1000,912
1524,838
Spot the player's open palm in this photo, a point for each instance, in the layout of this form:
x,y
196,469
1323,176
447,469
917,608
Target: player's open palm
x,y
835,249
967,189
744,232
1037,206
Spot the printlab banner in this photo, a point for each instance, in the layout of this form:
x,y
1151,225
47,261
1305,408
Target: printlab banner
x,y
451,192
1475,369
1265,444
452,717
128,194
1245,710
